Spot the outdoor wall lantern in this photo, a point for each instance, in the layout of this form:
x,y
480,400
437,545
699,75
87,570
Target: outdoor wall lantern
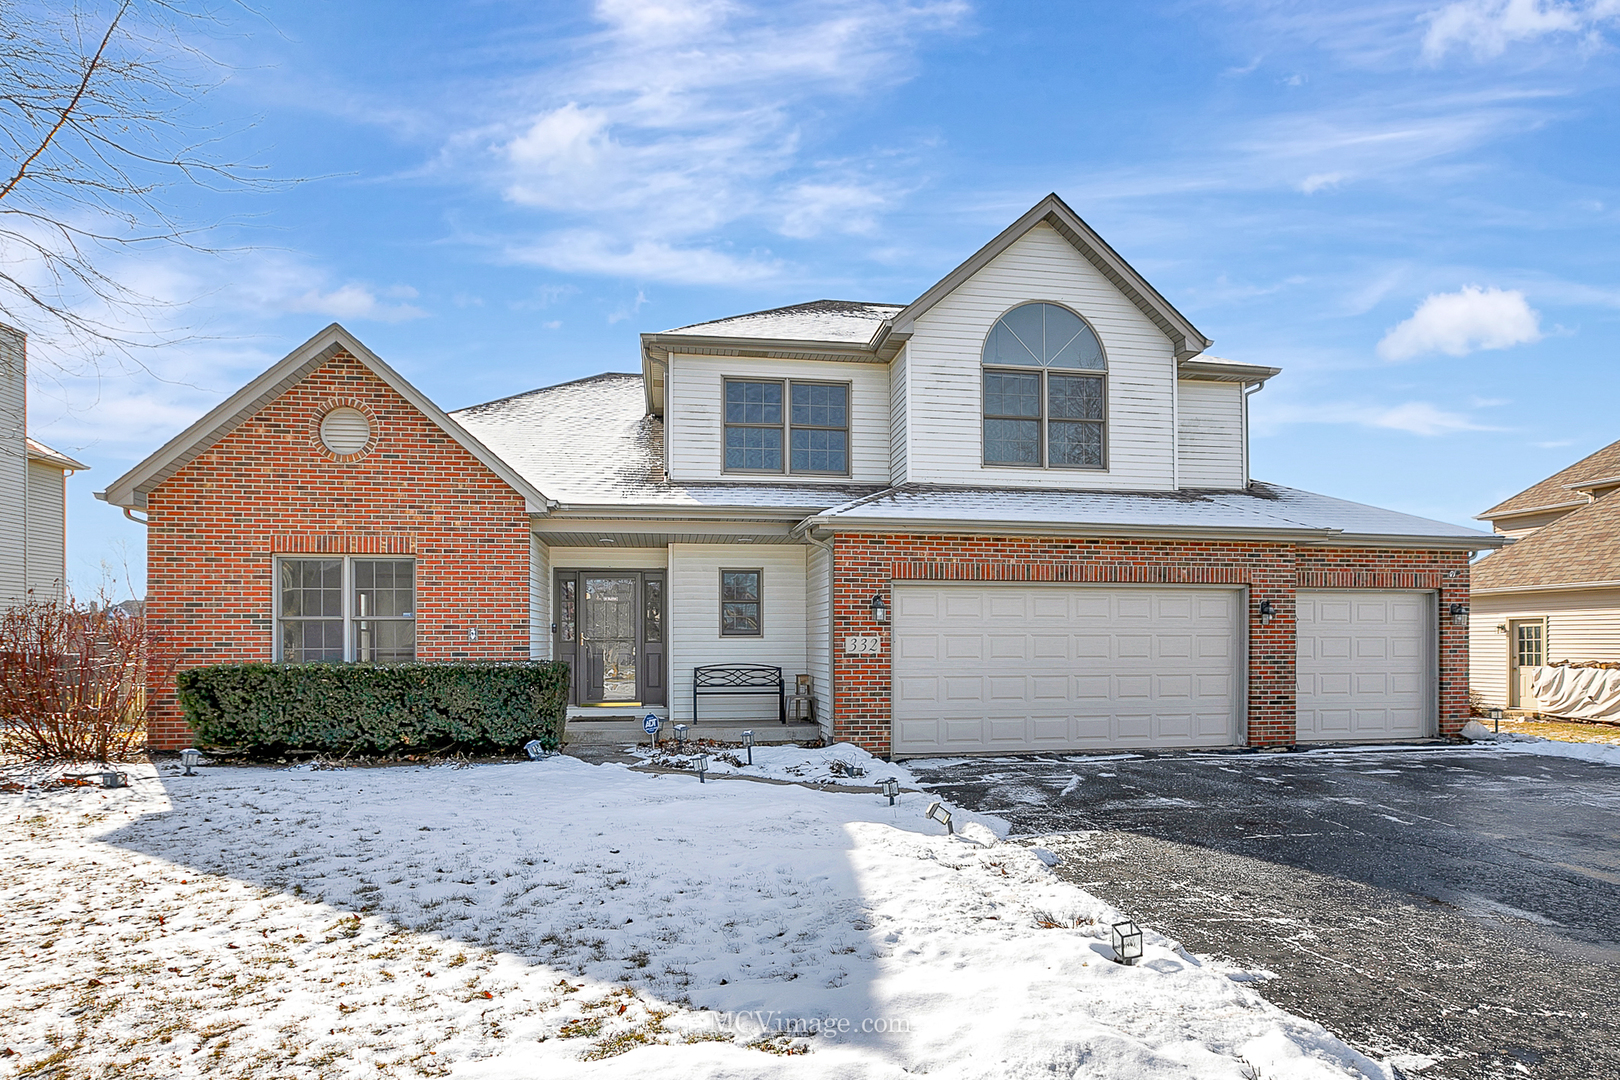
x,y
1266,612
190,758
937,811
1501,628
1459,614
680,736
1126,938
702,767
1495,712
880,608
891,788
535,749
748,744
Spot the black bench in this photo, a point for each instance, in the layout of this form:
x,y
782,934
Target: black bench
x,y
739,679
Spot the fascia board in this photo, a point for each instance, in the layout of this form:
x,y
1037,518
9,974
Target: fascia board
x,y
1495,515
565,512
1186,338
1478,542
38,451
956,526
704,345
1243,373
1586,485
1572,586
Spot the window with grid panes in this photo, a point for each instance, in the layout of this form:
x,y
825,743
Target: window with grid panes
x,y
334,610
1045,391
790,426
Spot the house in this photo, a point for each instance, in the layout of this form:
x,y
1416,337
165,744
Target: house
x,y
1553,596
33,490
1013,514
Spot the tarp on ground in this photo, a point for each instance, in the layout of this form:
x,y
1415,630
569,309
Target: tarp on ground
x,y
1582,693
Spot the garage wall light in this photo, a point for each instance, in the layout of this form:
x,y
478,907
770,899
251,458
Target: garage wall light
x,y
1459,614
880,608
1266,612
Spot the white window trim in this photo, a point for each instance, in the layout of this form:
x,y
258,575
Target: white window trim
x,y
787,427
349,616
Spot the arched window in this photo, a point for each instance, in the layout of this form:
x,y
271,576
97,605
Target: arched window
x,y
1044,391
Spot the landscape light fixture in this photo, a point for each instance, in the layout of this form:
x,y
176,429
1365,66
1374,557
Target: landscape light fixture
x,y
1266,612
937,811
190,759
1496,717
680,736
702,767
748,744
880,608
535,749
891,788
1459,614
1126,938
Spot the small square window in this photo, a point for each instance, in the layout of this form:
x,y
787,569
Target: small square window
x,y
740,603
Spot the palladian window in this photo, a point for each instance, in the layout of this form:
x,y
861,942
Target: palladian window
x,y
1044,391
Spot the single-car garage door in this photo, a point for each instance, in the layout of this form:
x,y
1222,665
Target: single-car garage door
x,y
1365,665
1064,667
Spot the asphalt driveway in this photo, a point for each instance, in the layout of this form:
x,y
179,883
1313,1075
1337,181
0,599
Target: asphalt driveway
x,y
1456,910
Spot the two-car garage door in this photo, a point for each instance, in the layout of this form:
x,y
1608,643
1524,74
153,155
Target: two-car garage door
x,y
1076,667
1056,667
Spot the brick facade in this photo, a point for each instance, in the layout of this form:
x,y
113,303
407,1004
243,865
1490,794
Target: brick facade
x,y
865,565
270,487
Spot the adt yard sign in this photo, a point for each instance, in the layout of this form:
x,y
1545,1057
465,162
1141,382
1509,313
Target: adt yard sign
x,y
650,723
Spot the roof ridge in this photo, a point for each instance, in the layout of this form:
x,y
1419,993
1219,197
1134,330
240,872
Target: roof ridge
x,y
790,307
555,386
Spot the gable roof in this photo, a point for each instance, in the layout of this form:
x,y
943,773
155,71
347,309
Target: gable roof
x,y
38,451
852,321
1558,490
1053,211
131,489
1582,548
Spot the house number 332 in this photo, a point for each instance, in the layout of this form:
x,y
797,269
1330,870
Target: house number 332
x,y
863,646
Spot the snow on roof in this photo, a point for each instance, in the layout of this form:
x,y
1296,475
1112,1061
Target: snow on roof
x,y
38,451
851,321
591,443
1266,507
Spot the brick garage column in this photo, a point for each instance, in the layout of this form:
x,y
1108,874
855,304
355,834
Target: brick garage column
x,y
1273,658
862,568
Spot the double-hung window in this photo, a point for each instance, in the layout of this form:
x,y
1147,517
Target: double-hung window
x,y
345,609
792,426
740,603
1045,392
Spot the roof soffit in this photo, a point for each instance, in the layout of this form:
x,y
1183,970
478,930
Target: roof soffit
x,y
130,490
1053,211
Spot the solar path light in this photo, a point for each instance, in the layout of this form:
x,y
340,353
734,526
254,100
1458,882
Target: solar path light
x,y
937,811
680,736
891,788
1126,938
190,758
702,767
748,744
1496,717
534,749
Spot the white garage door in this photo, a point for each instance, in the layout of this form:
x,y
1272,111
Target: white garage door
x,y
1364,666
1064,667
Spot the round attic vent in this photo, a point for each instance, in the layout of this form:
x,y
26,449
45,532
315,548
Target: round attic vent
x,y
345,431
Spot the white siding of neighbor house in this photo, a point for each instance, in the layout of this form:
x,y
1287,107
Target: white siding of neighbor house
x,y
943,357
897,418
694,623
539,599
1210,435
818,575
693,419
13,466
1582,624
47,532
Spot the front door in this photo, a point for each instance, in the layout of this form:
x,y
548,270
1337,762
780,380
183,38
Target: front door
x,y
1527,651
610,631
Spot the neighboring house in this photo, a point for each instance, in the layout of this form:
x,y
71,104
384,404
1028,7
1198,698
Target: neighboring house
x,y
1554,594
33,490
1014,514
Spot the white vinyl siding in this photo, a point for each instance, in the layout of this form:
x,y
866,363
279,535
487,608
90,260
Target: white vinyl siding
x,y
1365,666
693,619
609,558
945,374
1210,435
47,531
1063,667
1582,624
818,584
539,600
13,465
897,419
694,427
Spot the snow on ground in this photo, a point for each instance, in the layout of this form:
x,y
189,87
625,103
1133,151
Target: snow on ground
x,y
562,919
1596,752
842,763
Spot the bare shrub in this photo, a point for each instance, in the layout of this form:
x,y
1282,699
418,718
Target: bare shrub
x,y
73,681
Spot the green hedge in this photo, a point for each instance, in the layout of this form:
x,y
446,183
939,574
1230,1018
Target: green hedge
x,y
274,708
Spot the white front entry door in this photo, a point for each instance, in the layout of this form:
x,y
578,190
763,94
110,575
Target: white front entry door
x,y
1365,665
1064,667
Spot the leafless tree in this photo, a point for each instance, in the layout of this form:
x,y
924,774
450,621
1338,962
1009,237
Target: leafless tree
x,y
102,148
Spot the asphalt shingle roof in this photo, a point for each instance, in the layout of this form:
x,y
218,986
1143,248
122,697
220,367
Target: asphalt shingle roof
x,y
1582,546
1553,491
851,321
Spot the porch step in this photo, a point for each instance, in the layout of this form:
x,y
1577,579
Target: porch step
x,y
627,729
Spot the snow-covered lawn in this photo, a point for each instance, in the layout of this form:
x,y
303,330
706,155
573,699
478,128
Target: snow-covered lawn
x,y
559,919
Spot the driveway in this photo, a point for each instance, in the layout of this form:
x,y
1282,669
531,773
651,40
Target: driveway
x,y
1456,910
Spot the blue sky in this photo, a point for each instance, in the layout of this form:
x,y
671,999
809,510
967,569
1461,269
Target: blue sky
x,y
1411,208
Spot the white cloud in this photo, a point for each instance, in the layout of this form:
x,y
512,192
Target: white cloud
x,y
1488,27
1459,323
356,301
681,117
1413,417
1317,181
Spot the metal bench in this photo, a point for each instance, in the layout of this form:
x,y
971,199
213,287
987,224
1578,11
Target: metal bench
x,y
739,679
